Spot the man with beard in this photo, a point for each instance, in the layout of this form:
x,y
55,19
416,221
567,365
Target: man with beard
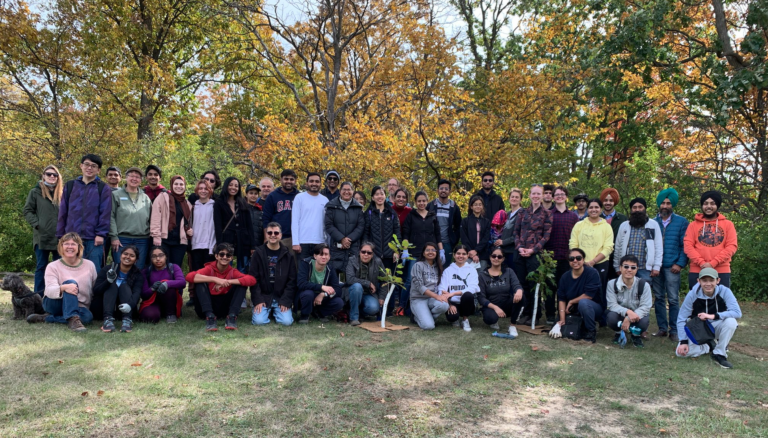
x,y
640,237
307,218
710,240
491,199
331,190
279,205
610,198
666,286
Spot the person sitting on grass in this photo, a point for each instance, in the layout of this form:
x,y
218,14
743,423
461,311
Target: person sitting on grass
x,y
709,300
162,289
319,286
362,279
459,282
426,303
219,289
68,286
629,301
501,294
274,269
577,292
117,288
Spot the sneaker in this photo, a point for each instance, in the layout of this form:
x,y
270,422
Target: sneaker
x,y
720,359
171,319
400,311
644,335
551,322
190,303
36,317
354,323
303,321
109,325
637,341
231,322
525,320
590,336
127,325
244,305
616,338
495,326
75,324
673,337
210,324
512,331
465,325
456,323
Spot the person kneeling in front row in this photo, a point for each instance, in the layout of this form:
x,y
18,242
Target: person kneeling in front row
x,y
577,292
219,289
501,294
629,302
365,292
274,269
709,300
319,286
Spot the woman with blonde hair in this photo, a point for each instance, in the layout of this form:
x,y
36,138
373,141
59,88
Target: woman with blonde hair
x,y
42,213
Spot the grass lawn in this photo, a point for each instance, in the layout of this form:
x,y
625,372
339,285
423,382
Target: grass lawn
x,y
335,380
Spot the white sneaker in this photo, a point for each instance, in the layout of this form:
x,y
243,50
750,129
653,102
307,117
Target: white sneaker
x,y
456,323
465,325
513,331
495,326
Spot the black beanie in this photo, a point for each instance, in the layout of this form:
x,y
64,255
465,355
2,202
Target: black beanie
x,y
636,200
714,195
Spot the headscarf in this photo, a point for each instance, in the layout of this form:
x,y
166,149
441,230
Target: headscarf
x,y
172,205
497,224
714,195
670,193
614,195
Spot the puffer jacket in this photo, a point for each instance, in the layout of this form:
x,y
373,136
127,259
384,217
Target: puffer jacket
x,y
379,228
42,215
353,276
258,226
420,230
341,223
674,241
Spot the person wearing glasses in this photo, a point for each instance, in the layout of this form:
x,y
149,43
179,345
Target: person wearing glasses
x,y
213,179
501,294
41,212
331,190
427,304
219,289
320,290
344,224
114,176
163,285
629,301
131,213
577,293
274,269
364,291
86,209
491,199
563,221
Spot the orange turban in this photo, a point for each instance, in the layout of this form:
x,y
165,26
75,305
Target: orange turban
x,y
610,191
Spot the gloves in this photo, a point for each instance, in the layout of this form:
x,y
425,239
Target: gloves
x,y
442,256
162,288
405,256
125,308
622,339
555,332
112,273
155,285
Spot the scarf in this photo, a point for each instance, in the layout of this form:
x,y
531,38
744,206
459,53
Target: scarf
x,y
172,206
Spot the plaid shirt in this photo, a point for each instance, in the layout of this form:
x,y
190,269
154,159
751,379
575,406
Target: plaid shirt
x,y
636,246
532,228
562,225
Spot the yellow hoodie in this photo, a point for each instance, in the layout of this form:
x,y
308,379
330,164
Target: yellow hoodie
x,y
592,238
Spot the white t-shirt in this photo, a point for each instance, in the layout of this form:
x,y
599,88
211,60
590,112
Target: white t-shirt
x,y
308,219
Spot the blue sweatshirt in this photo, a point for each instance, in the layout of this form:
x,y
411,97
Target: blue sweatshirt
x,y
277,208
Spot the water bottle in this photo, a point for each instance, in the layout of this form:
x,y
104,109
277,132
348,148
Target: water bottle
x,y
633,329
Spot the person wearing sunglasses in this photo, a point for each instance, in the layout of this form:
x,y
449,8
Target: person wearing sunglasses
x,y
212,177
219,289
41,211
577,293
492,201
629,301
364,291
131,214
320,290
331,190
274,269
501,294
163,286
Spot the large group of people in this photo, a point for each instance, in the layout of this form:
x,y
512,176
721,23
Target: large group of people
x,y
320,254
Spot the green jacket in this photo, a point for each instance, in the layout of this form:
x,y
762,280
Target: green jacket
x,y
129,219
43,216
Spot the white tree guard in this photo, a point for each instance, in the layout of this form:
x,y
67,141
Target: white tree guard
x,y
535,307
386,304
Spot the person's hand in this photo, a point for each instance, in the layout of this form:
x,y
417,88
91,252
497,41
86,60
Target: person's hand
x,y
497,242
521,251
163,288
706,265
373,288
112,273
329,290
675,269
284,308
156,241
561,322
381,302
189,232
518,296
116,244
625,324
405,256
257,308
498,311
682,349
568,308
632,316
476,259
395,257
69,288
296,249
655,273
125,308
98,241
346,242
442,256
452,310
155,285
252,251
555,332
319,299
705,316
472,254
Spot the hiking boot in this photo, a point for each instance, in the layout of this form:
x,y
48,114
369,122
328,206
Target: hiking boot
x,y
512,331
525,320
456,323
210,324
465,325
190,303
324,319
494,326
109,325
127,325
637,341
36,317
231,322
590,336
354,323
171,319
75,324
673,337
616,338
660,334
720,359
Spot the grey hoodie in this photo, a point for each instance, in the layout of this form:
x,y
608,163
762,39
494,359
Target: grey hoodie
x,y
621,298
423,277
722,304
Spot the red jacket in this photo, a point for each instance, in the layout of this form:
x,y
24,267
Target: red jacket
x,y
230,273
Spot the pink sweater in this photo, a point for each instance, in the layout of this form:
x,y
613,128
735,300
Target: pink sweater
x,y
57,273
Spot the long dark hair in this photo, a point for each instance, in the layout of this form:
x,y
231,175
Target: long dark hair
x,y
438,263
224,194
136,252
372,205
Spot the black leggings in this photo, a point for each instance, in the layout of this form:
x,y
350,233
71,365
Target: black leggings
x,y
466,307
104,305
509,307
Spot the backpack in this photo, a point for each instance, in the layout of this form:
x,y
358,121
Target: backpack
x,y
640,286
572,327
71,186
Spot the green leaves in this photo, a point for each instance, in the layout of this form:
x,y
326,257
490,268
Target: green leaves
x,y
544,275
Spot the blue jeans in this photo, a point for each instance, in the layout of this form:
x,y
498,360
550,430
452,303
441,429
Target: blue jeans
x,y
262,318
42,256
243,263
644,274
666,287
589,310
67,307
448,253
142,244
370,303
94,253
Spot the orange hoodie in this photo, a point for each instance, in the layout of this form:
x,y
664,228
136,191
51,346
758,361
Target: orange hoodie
x,y
712,242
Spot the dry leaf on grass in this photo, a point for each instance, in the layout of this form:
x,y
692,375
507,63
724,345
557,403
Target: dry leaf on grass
x,y
545,411
342,334
535,348
61,361
99,393
391,417
136,364
84,394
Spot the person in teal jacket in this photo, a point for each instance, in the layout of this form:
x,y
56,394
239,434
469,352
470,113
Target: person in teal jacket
x,y
666,286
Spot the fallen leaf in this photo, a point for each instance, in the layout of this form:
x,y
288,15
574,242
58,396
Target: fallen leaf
x,y
535,348
350,378
136,364
84,394
99,393
382,400
578,406
485,357
61,361
647,426
579,358
279,380
545,411
157,377
662,431
436,402
368,359
218,366
325,369
89,409
728,394
391,417
745,422
342,334
45,373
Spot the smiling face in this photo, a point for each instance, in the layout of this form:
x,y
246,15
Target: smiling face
x,y
487,182
460,256
233,188
515,199
628,270
90,169
179,186
313,184
203,192
430,253
576,260
253,196
322,259
332,182
379,197
400,199
709,207
346,193
444,191
366,253
153,178
708,285
560,197
128,257
288,182
477,207
594,210
273,235
497,257
608,204
50,176
133,180
113,178
537,193
266,187
421,202
70,249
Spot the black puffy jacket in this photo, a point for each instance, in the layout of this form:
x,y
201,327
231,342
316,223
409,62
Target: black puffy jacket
x,y
379,228
420,230
341,223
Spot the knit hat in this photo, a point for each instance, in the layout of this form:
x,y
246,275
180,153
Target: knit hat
x,y
332,172
614,195
670,193
637,201
713,195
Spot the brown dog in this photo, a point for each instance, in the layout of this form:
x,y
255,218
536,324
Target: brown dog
x,y
25,302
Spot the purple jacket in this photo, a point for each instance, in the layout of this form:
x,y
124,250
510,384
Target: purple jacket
x,y
174,283
87,212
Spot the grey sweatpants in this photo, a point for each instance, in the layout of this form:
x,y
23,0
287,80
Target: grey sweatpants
x,y
724,330
426,311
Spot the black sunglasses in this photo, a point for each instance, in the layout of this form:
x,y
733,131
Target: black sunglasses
x,y
575,258
273,233
496,256
52,174
366,252
225,255
628,267
332,178
487,180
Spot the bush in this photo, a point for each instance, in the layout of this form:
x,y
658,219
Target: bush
x,y
16,253
748,266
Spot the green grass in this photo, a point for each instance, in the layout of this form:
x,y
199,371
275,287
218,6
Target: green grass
x,y
312,381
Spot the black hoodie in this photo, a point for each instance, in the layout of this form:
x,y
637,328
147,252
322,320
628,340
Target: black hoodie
x,y
284,288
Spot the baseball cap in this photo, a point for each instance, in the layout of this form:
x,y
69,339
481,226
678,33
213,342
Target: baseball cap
x,y
708,272
252,187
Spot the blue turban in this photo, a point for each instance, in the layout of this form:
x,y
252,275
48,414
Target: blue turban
x,y
667,193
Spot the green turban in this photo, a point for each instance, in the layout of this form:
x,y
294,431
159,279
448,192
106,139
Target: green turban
x,y
667,193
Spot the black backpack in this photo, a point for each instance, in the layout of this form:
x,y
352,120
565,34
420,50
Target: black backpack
x,y
640,286
572,327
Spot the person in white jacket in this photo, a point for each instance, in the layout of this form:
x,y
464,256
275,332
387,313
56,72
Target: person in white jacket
x,y
641,237
460,282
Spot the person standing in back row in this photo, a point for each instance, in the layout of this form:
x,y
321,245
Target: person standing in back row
x,y
344,224
563,221
279,206
610,198
42,212
710,241
307,217
331,190
493,202
449,216
153,187
131,212
113,177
